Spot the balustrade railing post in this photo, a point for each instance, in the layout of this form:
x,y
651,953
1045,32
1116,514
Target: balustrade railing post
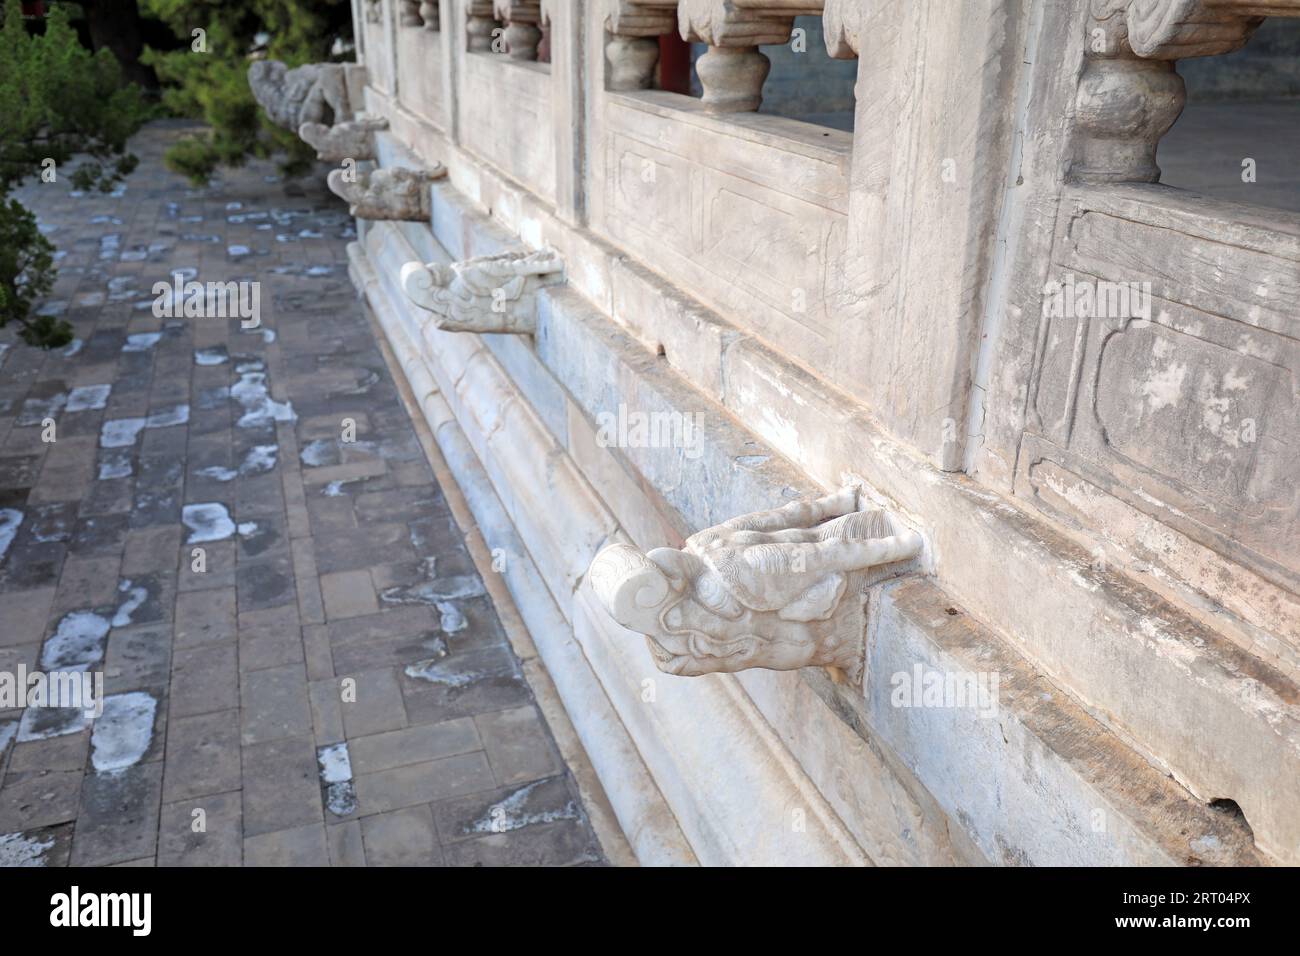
x,y
1130,93
480,26
633,48
522,32
733,71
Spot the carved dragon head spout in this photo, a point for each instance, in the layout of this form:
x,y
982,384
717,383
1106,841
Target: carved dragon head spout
x,y
314,93
778,589
496,293
633,588
353,139
390,193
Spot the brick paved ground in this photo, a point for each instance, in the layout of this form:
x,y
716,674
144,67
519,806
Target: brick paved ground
x,y
323,561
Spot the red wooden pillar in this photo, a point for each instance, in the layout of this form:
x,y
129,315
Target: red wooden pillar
x,y
674,64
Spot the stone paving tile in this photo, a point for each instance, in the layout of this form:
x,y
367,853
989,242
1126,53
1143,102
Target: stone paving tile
x,y
25,614
421,782
401,838
203,755
274,704
517,745
345,845
67,752
202,831
269,646
204,679
374,703
118,817
138,658
300,846
550,844
205,617
348,594
327,711
397,748
39,798
281,785
257,591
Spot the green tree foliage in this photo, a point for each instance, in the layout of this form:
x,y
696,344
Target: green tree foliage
x,y
57,101
209,78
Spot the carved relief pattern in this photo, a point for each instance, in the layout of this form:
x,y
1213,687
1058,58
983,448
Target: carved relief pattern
x,y
1166,422
779,589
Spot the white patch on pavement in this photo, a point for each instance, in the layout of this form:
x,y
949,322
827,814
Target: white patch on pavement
x,y
141,341
508,814
335,763
124,731
116,466
10,519
207,522
259,408
135,596
451,617
77,643
120,432
18,849
86,398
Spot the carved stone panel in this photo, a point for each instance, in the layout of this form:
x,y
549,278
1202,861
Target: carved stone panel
x,y
378,46
1170,382
755,230
420,69
515,137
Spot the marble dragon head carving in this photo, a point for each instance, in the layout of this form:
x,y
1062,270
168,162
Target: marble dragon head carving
x,y
314,93
779,589
390,193
353,139
496,293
